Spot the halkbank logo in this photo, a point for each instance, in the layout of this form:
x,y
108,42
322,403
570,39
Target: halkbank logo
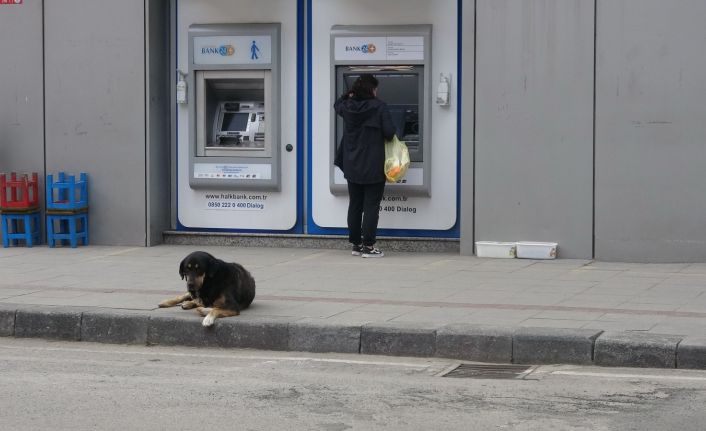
x,y
223,50
367,48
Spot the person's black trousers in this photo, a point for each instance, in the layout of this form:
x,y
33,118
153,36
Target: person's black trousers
x,y
364,211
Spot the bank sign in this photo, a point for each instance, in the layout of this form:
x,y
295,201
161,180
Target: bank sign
x,y
233,50
391,48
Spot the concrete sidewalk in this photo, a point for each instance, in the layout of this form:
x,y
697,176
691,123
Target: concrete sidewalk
x,y
411,304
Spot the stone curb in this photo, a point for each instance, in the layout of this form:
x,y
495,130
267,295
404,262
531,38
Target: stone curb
x,y
60,323
691,353
398,339
186,330
477,343
454,341
115,327
7,320
322,338
553,346
623,349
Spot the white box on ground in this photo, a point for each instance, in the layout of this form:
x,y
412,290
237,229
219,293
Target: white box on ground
x,y
503,250
536,250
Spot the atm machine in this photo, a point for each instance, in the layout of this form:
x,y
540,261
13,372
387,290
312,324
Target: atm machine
x,y
234,121
399,56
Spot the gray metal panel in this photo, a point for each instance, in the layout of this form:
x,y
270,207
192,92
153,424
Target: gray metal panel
x,y
158,115
651,131
21,104
172,113
95,109
534,122
467,118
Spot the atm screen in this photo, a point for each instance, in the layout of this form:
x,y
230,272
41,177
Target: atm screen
x,y
235,122
396,88
400,91
401,88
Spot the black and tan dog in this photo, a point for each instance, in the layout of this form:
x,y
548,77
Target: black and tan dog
x,y
215,288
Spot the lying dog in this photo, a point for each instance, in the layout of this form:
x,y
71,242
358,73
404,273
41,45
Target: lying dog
x,y
215,288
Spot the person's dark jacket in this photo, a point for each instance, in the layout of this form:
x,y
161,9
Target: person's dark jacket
x,y
367,123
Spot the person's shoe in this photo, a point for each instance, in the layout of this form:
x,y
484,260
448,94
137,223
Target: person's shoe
x,y
357,250
372,252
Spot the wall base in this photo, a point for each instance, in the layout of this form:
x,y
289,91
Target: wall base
x,y
424,245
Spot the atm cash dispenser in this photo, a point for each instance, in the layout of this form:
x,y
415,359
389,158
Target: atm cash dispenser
x,y
234,98
399,56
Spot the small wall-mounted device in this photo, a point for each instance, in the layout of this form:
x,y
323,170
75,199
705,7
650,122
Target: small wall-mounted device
x,y
442,92
181,89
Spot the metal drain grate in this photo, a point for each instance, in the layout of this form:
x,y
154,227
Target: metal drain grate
x,y
489,371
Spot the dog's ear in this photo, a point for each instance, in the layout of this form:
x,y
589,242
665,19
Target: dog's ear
x,y
181,268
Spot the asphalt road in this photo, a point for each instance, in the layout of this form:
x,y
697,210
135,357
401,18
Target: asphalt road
x,y
83,386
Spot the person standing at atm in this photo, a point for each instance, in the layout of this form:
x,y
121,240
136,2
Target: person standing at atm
x,y
361,157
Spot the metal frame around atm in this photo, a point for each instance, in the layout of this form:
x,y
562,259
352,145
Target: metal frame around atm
x,y
422,30
274,156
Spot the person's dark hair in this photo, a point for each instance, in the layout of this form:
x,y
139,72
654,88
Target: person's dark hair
x,y
363,86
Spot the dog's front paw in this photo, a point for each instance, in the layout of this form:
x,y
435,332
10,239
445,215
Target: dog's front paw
x,y
188,305
165,304
203,311
209,320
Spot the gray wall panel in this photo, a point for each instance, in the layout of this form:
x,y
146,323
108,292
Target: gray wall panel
x,y
534,122
95,109
467,118
21,105
651,131
158,121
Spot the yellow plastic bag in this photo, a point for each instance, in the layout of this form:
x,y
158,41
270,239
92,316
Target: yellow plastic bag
x,y
396,159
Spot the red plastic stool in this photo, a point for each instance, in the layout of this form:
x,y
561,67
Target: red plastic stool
x,y
19,192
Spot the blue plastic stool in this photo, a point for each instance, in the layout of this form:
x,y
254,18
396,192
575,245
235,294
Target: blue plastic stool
x,y
67,209
70,227
17,226
66,193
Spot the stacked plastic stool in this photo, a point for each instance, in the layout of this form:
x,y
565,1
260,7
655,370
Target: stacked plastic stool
x,y
19,208
67,209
